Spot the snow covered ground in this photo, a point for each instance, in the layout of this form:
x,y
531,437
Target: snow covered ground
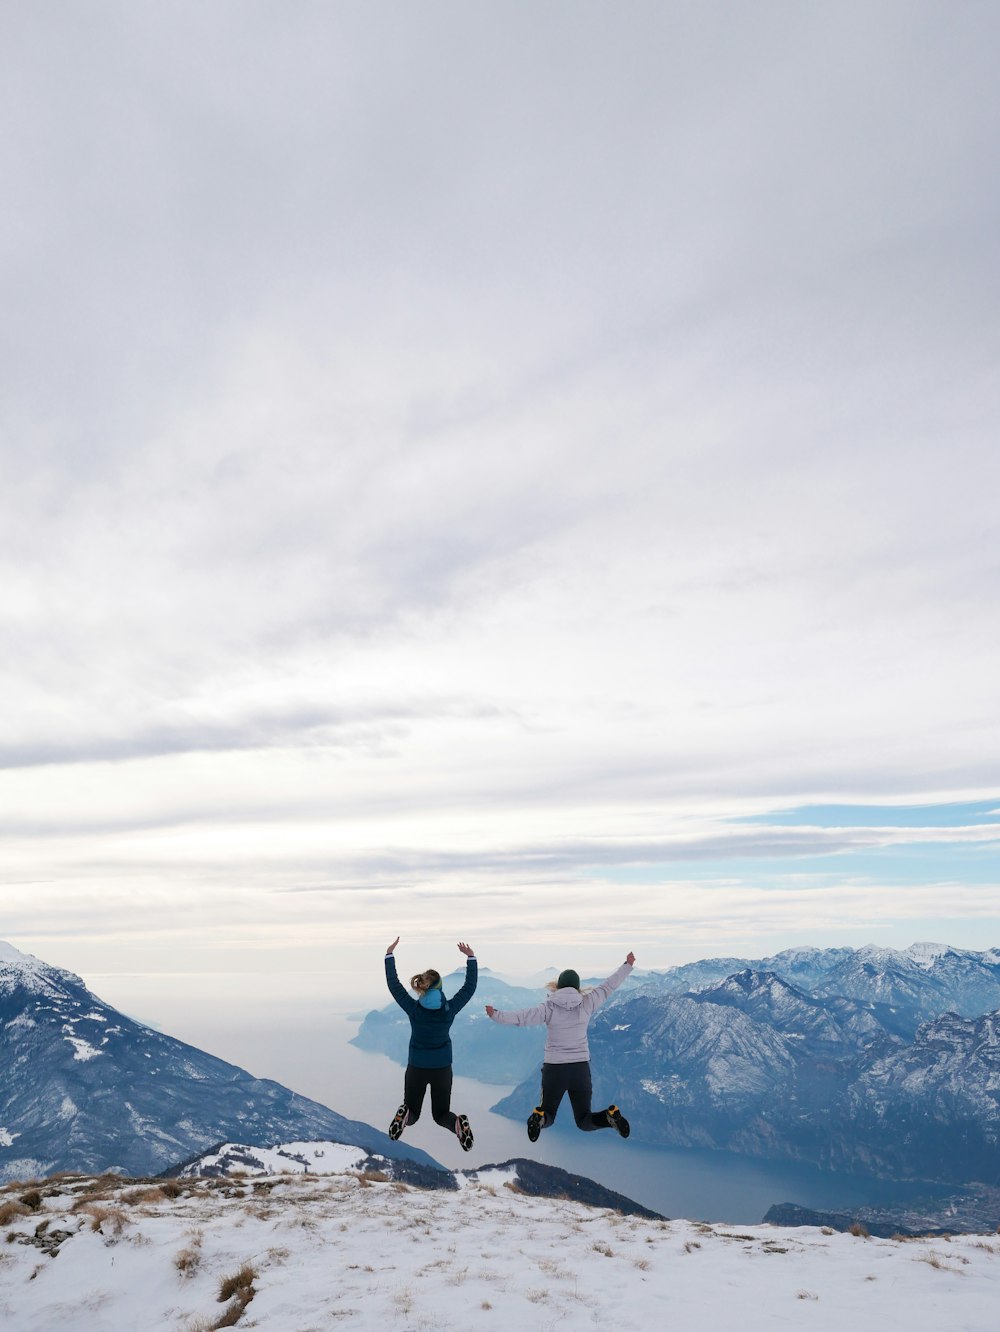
x,y
354,1248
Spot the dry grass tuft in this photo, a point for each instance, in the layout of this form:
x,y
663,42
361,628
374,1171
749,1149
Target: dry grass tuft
x,y
238,1290
861,1231
102,1184
32,1200
606,1249
11,1210
691,1245
941,1262
806,1295
240,1280
105,1220
151,1194
187,1261
367,1177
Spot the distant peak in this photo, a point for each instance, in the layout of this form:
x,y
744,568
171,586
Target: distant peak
x,y
927,952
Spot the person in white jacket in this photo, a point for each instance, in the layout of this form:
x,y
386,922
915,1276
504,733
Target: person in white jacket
x,y
566,1061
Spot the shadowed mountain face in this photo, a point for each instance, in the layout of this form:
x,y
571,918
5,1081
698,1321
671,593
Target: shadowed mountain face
x,y
87,1089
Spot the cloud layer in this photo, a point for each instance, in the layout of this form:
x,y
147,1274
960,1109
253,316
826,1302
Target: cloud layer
x,y
481,441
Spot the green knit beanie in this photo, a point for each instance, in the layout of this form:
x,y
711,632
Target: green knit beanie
x,y
568,979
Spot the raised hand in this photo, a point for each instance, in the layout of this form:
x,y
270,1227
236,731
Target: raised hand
x,y
392,945
464,948
630,959
490,1010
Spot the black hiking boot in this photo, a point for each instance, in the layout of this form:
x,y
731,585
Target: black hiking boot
x,y
617,1120
535,1121
399,1120
463,1132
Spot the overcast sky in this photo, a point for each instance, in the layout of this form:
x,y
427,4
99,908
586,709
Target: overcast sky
x,y
462,461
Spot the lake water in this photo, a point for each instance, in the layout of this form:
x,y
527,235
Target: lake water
x,y
304,1045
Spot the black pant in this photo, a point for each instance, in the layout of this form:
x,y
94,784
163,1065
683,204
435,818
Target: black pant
x,y
557,1080
415,1084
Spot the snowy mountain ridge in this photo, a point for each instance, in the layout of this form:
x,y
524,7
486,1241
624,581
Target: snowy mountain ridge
x,y
929,977
23,971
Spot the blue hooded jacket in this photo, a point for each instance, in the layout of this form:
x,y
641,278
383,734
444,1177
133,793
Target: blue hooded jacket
x,y
431,1016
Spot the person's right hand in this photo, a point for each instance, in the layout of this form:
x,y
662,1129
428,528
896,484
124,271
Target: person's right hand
x,y
490,1010
389,950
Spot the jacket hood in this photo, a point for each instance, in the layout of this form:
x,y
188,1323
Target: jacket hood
x,y
432,998
566,998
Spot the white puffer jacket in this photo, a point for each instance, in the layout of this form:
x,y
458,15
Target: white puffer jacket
x,y
567,1014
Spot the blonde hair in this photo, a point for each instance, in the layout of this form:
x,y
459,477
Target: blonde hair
x,y
424,980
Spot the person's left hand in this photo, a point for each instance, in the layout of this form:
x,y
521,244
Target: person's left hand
x,y
630,959
464,948
490,1010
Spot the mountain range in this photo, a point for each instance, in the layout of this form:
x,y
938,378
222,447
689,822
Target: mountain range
x,y
754,1065
923,980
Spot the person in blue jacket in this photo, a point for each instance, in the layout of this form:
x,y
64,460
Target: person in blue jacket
x,y
429,1060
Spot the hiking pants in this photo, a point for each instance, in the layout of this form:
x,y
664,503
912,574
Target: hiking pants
x,y
415,1084
560,1079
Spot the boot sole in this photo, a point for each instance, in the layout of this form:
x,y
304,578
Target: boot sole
x,y
619,1121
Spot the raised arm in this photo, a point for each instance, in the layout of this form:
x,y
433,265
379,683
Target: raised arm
x,y
593,999
471,978
521,1017
405,1001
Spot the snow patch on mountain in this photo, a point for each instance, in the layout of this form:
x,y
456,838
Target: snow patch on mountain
x,y
83,1049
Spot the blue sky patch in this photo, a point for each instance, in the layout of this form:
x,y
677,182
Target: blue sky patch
x,y
961,814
